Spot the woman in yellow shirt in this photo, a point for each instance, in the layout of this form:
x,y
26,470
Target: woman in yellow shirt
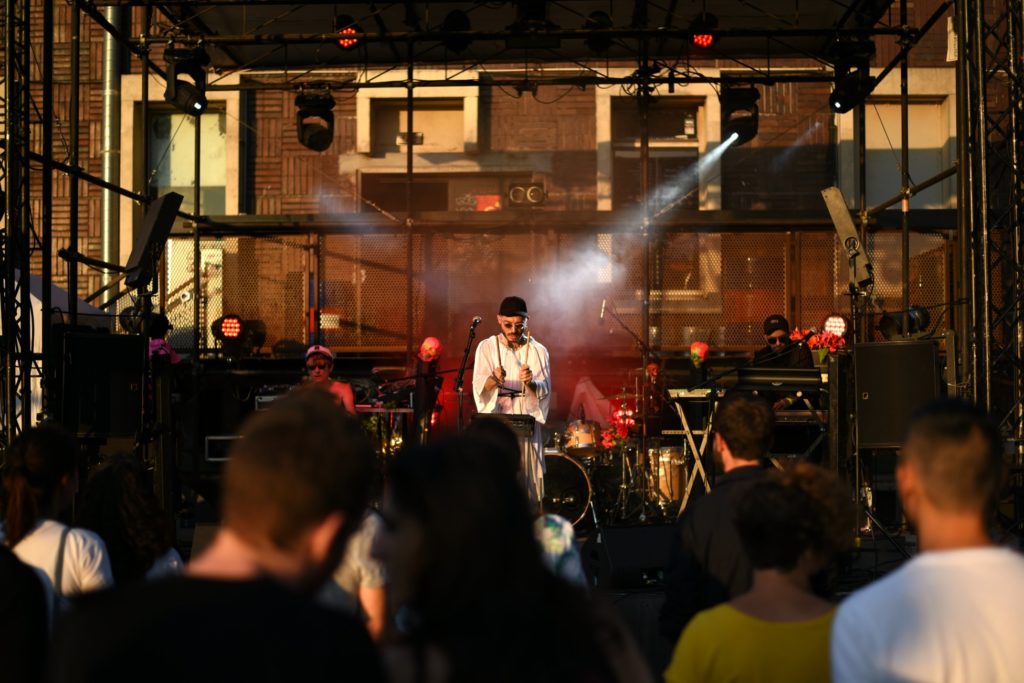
x,y
790,524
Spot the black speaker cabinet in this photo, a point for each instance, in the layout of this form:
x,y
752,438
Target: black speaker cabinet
x,y
893,379
102,384
624,558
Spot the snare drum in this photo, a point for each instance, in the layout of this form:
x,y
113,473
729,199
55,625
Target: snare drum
x,y
581,437
669,472
566,487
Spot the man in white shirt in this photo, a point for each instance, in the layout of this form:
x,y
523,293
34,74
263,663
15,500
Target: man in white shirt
x,y
953,613
512,376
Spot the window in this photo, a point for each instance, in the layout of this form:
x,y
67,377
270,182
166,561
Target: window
x,y
172,158
439,120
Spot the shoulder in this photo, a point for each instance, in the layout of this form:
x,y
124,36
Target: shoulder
x,y
86,540
861,609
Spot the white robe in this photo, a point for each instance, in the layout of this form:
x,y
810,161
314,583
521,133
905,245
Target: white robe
x,y
534,403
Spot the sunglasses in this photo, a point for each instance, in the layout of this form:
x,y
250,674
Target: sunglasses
x,y
776,340
317,366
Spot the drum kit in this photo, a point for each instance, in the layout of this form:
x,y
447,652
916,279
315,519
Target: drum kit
x,y
600,476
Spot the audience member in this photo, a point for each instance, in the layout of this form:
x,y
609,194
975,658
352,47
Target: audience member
x,y
119,504
790,526
554,533
294,490
953,613
24,627
40,481
707,564
361,577
474,600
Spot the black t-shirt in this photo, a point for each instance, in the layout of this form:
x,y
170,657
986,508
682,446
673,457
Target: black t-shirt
x,y
185,629
24,622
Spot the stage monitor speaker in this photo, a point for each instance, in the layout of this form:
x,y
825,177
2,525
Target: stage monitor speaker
x,y
893,379
102,384
151,237
625,558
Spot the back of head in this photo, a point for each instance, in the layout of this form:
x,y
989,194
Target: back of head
x,y
464,494
39,462
783,515
119,504
747,424
957,451
295,464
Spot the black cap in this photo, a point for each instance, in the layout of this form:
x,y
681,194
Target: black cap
x,y
512,306
774,323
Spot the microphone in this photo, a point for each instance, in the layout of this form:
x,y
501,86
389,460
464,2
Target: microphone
x,y
603,302
476,321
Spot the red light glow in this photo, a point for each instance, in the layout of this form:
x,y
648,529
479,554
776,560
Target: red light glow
x,y
703,40
231,328
347,43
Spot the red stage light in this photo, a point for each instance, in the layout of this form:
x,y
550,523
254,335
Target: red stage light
x,y
346,43
230,327
346,26
703,40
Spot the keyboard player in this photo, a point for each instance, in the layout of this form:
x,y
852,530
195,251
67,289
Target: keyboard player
x,y
781,352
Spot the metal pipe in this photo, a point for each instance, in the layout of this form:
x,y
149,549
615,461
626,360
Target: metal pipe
x,y
110,147
911,38
861,328
905,178
914,189
46,190
568,33
198,334
961,314
73,133
113,31
645,237
803,77
409,107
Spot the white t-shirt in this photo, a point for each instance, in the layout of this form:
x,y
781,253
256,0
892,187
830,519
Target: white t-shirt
x,y
945,616
86,563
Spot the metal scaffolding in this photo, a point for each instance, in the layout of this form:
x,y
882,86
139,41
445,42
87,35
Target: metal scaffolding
x,y
990,90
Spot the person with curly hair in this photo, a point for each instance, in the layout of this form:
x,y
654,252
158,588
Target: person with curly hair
x,y
790,524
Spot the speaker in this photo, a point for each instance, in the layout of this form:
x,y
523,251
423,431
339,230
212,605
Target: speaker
x,y
893,379
624,558
102,379
151,237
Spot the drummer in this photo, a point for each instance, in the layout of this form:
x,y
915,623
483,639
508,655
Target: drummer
x,y
512,375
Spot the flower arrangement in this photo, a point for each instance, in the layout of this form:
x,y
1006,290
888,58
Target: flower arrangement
x,y
698,352
823,343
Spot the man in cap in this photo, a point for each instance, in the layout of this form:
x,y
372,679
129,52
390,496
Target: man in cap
x,y
512,376
319,365
780,352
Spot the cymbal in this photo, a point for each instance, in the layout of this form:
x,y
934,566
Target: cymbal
x,y
620,397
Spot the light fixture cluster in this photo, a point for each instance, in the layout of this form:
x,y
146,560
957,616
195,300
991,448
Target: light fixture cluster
x,y
237,337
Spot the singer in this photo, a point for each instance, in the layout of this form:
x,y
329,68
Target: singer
x,y
512,375
780,352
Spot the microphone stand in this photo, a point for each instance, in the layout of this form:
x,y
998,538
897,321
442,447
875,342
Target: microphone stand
x,y
462,371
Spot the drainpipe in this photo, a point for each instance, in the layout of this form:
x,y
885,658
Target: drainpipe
x,y
110,152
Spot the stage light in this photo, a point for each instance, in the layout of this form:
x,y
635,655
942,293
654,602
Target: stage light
x,y
526,194
189,98
227,327
739,113
597,21
238,337
456,21
836,324
346,27
853,80
314,122
702,30
918,319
